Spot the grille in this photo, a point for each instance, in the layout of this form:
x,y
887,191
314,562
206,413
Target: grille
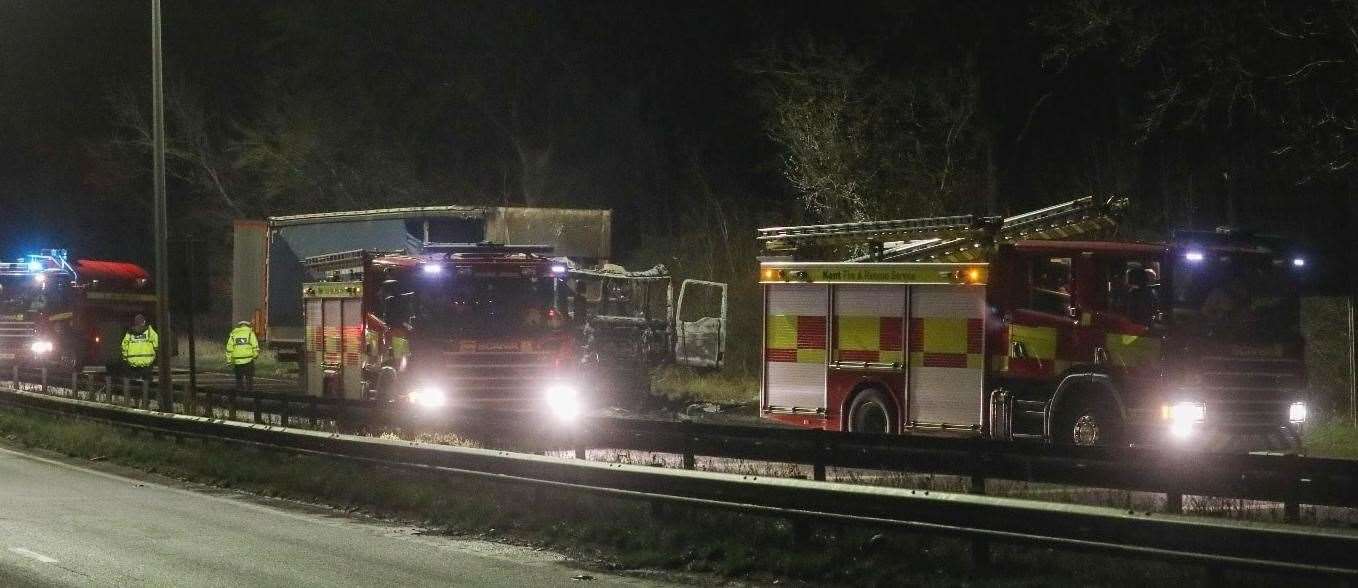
x,y
15,336
495,376
1250,392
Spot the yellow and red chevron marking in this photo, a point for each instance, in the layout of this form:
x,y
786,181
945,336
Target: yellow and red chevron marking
x,y
869,338
947,342
790,338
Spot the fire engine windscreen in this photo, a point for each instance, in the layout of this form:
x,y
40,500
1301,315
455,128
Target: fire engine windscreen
x,y
1239,298
478,306
22,294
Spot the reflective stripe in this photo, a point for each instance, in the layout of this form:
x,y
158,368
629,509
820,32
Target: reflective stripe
x,y
947,343
792,338
1131,350
1038,342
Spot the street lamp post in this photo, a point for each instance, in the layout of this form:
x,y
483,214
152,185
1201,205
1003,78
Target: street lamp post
x,y
158,157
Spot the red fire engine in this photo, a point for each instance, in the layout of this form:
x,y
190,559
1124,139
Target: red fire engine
x,y
996,328
486,326
58,313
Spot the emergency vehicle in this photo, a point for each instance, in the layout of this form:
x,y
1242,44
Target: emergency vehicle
x,y
1034,327
487,326
69,314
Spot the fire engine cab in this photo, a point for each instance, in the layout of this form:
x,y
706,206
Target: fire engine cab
x,y
1015,329
486,326
58,313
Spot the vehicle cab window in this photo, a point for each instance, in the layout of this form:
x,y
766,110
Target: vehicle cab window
x,y
1133,289
1050,284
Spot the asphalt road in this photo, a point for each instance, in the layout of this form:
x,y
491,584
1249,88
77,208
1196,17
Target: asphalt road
x,y
65,525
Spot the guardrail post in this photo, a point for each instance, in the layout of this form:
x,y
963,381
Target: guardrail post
x,y
142,402
255,396
127,396
690,462
1174,502
232,399
283,411
75,385
312,409
579,443
42,374
108,389
1291,511
818,466
976,482
15,375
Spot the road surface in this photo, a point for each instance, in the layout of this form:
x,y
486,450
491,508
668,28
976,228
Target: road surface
x,y
66,525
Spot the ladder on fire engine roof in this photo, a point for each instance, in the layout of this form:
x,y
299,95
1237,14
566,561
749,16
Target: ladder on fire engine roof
x,y
955,238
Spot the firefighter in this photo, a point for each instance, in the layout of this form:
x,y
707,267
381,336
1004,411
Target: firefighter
x,y
242,347
139,348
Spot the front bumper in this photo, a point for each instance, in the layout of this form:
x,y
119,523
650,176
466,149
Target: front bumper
x,y
1218,439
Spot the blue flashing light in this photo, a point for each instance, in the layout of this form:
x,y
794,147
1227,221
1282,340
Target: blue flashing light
x,y
34,266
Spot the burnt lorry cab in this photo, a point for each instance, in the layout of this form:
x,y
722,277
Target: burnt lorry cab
x,y
1192,342
68,314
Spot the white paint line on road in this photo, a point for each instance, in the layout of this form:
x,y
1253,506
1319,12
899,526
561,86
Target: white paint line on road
x,y
32,555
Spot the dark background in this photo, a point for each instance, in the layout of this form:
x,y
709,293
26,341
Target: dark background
x,y
694,122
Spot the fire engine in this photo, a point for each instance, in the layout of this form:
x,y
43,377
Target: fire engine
x,y
489,326
1035,327
58,313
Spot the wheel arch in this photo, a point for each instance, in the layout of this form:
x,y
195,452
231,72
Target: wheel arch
x,y
1079,385
869,384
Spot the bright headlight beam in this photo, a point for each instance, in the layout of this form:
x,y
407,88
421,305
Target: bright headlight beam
x,y
428,397
1298,262
563,401
1194,256
432,269
1296,413
40,346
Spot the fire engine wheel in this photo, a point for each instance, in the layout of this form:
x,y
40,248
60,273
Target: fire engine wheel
x,y
1089,422
870,412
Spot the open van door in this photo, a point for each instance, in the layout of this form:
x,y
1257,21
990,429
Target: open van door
x,y
700,324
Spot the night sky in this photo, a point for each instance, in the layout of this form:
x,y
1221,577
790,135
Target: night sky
x,y
658,110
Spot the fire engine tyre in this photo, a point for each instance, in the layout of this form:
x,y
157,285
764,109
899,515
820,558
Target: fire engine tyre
x,y
1088,421
871,412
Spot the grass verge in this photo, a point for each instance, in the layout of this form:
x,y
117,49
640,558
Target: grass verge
x,y
610,533
682,384
1332,439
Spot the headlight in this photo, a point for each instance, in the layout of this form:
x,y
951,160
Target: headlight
x,y
1182,416
1297,412
40,346
1188,412
563,401
428,397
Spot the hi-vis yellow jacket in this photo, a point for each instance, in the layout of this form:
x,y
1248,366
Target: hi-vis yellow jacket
x,y
242,346
139,349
